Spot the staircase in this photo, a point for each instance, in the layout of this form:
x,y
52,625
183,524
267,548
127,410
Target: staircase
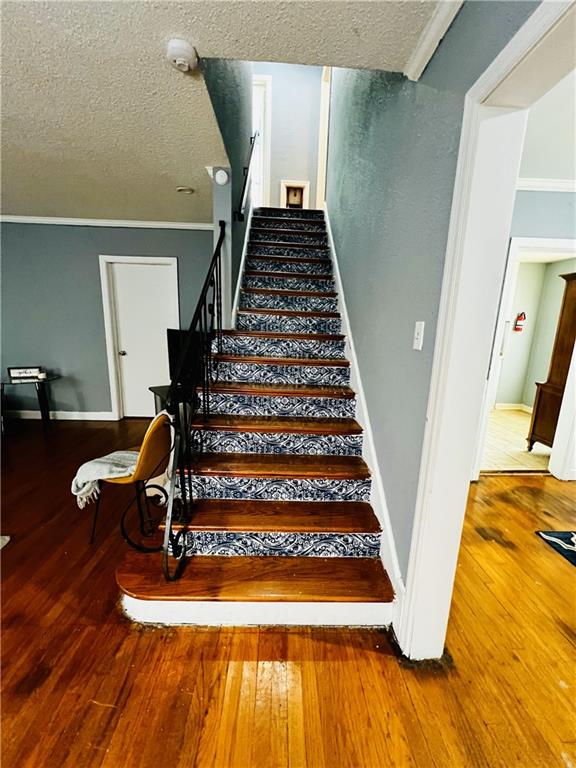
x,y
282,531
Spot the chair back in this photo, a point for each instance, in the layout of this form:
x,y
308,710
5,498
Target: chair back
x,y
154,452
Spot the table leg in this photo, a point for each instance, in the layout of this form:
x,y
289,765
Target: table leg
x,y
42,393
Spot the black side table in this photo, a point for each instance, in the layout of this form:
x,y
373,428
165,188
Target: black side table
x,y
42,392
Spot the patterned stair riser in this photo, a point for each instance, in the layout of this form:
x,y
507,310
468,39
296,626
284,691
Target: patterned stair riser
x,y
293,303
247,321
289,213
288,251
284,489
289,283
279,405
261,222
277,443
261,238
280,265
247,543
312,375
252,345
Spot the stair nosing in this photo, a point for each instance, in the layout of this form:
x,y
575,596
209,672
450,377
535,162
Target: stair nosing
x,y
330,337
286,312
268,465
317,362
280,292
286,425
284,390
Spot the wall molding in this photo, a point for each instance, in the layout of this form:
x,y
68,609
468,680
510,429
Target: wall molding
x,y
120,223
377,496
64,415
546,185
432,34
513,407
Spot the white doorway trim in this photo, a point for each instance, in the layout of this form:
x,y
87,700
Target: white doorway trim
x,y
108,300
285,183
487,171
522,249
265,82
323,129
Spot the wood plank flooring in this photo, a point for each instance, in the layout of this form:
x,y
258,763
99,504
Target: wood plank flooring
x,y
506,449
82,687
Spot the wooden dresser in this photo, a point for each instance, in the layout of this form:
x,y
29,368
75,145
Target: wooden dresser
x,y
549,394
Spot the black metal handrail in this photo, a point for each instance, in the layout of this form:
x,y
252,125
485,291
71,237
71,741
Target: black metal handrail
x,y
188,402
239,212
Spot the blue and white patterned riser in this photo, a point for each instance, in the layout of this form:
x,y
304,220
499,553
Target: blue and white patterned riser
x,y
288,302
284,489
290,213
289,283
278,347
280,265
289,251
258,238
277,443
281,544
263,222
312,375
279,405
248,321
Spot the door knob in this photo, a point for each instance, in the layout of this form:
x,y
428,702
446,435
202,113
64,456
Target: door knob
x,y
122,353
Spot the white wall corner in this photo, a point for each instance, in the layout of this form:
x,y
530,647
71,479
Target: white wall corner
x,y
377,497
242,264
439,23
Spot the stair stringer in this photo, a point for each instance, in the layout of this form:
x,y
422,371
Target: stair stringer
x,y
377,494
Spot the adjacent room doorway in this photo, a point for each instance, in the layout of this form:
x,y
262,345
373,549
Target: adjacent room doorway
x,y
140,300
262,126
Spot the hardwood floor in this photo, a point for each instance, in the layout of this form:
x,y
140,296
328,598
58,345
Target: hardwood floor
x,y
83,687
506,448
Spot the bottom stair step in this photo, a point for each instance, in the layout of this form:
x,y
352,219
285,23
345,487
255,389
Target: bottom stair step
x,y
258,579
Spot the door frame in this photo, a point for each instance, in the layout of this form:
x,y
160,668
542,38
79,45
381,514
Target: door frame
x,y
495,111
266,141
565,249
109,310
323,135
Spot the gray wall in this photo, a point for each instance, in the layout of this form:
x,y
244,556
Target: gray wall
x,y
392,159
229,84
515,364
295,125
544,214
52,302
546,324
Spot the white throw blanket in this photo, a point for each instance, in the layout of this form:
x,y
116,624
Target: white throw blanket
x,y
86,486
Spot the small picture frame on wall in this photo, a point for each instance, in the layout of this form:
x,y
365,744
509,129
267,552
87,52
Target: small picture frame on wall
x,y
27,372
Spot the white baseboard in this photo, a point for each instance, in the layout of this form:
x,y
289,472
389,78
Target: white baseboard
x,y
65,415
120,223
247,614
242,263
378,496
513,407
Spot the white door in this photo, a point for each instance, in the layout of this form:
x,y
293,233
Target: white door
x,y
261,123
144,304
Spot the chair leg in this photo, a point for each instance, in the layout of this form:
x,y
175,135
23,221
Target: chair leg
x,y
95,515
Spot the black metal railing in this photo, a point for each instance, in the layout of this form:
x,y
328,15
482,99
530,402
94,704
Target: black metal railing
x,y
239,212
188,403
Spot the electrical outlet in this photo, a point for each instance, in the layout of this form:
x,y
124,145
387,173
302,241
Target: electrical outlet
x,y
418,335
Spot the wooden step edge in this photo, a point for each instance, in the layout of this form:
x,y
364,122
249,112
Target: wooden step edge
x,y
288,259
278,424
278,209
258,579
315,362
280,292
281,244
287,275
289,231
281,466
282,390
285,312
289,336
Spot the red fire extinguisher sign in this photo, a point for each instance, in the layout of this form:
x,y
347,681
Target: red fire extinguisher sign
x,y
519,322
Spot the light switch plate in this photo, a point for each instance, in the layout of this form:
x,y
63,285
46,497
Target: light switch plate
x,y
418,335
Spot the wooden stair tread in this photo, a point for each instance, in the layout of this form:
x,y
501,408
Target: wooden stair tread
x,y
286,275
283,219
284,390
285,312
261,579
281,424
295,336
279,209
312,361
286,231
281,244
288,259
287,292
282,466
283,516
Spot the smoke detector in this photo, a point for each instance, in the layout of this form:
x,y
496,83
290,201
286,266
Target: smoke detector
x,y
181,55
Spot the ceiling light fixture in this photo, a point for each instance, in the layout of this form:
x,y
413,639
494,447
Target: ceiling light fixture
x,y
181,55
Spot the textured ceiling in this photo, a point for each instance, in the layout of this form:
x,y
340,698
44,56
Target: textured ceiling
x,y
95,124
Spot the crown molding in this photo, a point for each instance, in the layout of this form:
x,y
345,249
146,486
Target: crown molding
x,y
126,223
432,34
546,185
